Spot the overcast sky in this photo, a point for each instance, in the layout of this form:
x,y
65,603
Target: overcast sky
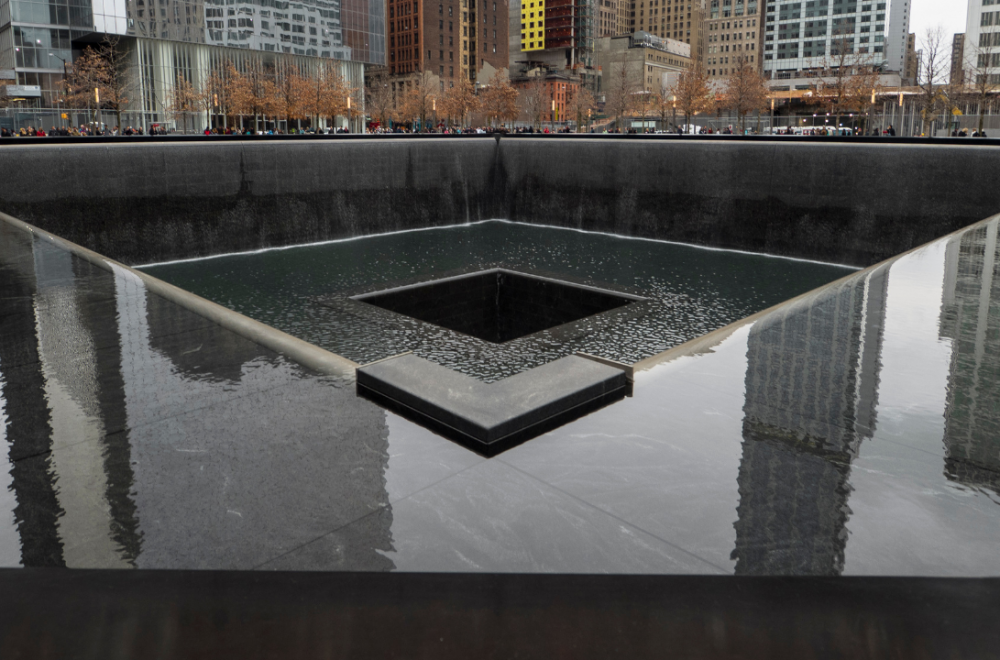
x,y
949,14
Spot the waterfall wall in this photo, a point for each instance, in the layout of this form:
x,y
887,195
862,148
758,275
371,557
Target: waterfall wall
x,y
856,203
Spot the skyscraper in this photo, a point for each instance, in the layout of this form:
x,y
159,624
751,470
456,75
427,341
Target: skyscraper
x,y
554,35
981,43
800,36
448,38
680,20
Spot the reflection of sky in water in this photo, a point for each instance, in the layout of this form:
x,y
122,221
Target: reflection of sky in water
x,y
304,291
855,431
10,546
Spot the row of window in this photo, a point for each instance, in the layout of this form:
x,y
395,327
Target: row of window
x,y
731,49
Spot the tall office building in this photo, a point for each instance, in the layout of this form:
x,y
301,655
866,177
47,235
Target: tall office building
x,y
958,64
733,30
188,38
680,20
800,37
448,38
982,38
611,17
554,36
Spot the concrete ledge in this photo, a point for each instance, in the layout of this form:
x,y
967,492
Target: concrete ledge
x,y
492,417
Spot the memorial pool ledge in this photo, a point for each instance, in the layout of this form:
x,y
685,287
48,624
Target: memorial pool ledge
x,y
839,451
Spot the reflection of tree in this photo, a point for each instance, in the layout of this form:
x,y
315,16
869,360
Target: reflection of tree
x,y
970,316
811,396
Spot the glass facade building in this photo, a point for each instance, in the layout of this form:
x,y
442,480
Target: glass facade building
x,y
802,35
189,38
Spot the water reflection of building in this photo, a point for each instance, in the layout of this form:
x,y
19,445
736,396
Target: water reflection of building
x,y
135,430
811,395
970,317
66,396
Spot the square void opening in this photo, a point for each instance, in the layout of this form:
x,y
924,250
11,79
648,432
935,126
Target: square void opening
x,y
497,305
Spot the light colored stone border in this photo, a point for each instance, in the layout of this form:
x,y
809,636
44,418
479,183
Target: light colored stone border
x,y
705,343
306,354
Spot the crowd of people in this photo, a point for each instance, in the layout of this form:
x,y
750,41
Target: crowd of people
x,y
74,131
158,129
965,133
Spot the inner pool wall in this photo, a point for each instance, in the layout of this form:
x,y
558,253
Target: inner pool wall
x,y
840,201
157,201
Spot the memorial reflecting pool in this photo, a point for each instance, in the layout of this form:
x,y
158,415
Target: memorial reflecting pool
x,y
305,291
855,430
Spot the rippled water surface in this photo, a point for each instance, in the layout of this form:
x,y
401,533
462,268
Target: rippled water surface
x,y
305,291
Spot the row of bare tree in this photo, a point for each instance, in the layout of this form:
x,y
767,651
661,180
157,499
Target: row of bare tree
x,y
421,98
101,78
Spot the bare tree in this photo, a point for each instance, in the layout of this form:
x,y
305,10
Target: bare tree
x,y
580,104
643,103
378,97
460,101
183,99
418,100
934,66
265,99
212,95
331,92
86,77
692,93
237,94
294,95
846,81
499,100
619,95
533,98
101,77
119,78
746,90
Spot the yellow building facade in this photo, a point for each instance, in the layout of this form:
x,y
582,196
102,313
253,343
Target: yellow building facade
x,y
532,25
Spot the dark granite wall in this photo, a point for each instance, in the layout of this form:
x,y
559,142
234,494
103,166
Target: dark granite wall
x,y
142,203
835,201
840,202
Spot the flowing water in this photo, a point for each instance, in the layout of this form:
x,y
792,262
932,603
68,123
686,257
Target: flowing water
x,y
305,291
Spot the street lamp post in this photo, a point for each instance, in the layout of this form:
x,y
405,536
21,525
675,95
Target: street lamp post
x,y
65,76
